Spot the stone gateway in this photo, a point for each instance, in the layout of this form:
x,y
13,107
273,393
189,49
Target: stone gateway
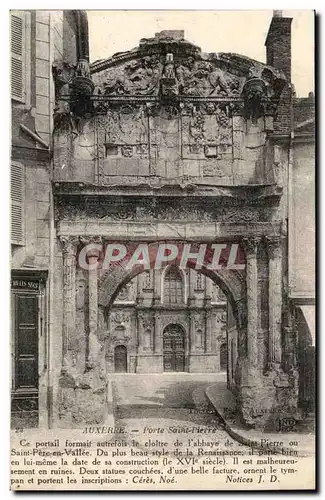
x,y
163,146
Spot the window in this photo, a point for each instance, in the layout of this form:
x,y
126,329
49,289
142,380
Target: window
x,y
147,281
173,289
199,283
18,54
17,204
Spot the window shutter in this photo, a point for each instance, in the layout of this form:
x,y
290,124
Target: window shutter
x,y
17,204
17,31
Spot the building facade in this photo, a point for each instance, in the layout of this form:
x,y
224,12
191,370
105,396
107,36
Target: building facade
x,y
191,332
37,38
166,143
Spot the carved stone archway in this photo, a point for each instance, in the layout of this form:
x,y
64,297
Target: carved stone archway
x,y
231,282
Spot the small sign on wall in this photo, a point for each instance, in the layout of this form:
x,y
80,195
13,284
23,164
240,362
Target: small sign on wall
x,y
25,284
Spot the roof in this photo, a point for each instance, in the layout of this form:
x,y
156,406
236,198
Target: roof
x,y
304,114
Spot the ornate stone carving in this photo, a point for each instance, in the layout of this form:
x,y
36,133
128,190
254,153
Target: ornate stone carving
x,y
139,76
254,92
69,245
221,317
242,215
127,151
86,240
102,210
203,78
69,249
63,74
250,245
120,339
173,319
100,124
273,246
147,320
120,318
169,83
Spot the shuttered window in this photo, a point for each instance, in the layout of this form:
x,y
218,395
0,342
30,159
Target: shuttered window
x,y
17,204
17,38
26,376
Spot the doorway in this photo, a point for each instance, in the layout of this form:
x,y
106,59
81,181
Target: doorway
x,y
25,385
174,349
120,359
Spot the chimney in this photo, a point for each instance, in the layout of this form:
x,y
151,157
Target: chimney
x,y
278,55
278,43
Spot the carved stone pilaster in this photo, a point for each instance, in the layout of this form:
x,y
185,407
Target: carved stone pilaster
x,y
157,287
69,249
275,299
208,330
251,246
146,326
208,290
191,288
192,331
93,255
100,125
158,335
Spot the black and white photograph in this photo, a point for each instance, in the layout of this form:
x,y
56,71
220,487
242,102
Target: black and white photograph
x,y
162,191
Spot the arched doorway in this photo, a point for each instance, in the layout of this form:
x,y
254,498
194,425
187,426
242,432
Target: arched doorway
x,y
120,359
174,349
194,303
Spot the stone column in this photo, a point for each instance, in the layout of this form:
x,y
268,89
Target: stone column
x,y
275,299
158,342
157,287
69,250
158,339
208,330
139,330
251,245
192,331
191,286
93,306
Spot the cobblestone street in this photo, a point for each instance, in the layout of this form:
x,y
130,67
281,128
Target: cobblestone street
x,y
169,403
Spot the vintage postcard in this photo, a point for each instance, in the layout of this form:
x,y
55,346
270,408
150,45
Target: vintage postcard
x,y
162,250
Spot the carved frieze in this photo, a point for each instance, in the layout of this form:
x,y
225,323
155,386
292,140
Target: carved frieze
x,y
138,76
166,71
151,211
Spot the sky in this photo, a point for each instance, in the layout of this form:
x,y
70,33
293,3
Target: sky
x,y
243,32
